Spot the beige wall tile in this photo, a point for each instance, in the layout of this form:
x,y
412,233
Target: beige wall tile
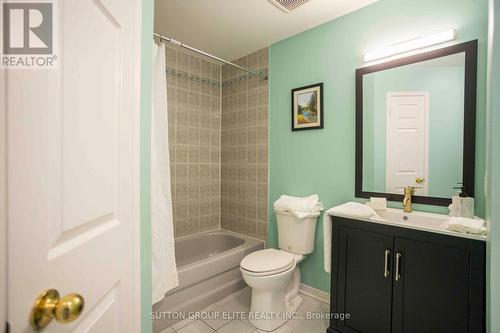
x,y
181,135
182,98
244,150
194,115
194,86
264,58
253,60
218,142
194,64
261,230
206,71
253,83
182,61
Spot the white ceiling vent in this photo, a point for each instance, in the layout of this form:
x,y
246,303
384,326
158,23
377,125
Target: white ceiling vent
x,y
288,5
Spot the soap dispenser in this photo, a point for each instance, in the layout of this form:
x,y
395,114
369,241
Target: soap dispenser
x,y
467,206
463,205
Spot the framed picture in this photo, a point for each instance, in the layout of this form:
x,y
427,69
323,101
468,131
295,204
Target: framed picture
x,y
307,107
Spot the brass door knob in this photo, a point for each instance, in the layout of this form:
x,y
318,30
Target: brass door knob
x,y
419,180
50,305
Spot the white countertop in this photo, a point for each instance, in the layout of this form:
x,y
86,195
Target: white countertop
x,y
423,221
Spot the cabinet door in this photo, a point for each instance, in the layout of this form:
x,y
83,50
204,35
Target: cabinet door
x,y
364,286
432,293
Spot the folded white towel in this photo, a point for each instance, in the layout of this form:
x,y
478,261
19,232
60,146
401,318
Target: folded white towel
x,y
351,209
354,209
300,207
465,225
301,204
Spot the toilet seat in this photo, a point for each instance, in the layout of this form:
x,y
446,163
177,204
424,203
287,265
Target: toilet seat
x,y
267,262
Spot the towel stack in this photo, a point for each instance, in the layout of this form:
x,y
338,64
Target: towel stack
x,y
466,225
299,207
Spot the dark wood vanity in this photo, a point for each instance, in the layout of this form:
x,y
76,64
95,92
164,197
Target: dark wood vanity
x,y
392,279
398,278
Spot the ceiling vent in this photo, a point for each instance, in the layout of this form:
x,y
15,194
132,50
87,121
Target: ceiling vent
x,y
288,5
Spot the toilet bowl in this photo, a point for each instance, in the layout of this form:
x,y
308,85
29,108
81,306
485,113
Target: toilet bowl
x,y
274,275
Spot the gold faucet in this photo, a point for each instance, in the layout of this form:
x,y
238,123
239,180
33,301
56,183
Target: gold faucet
x,y
409,191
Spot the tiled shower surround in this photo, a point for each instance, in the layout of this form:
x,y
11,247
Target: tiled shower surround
x,y
218,146
244,176
194,116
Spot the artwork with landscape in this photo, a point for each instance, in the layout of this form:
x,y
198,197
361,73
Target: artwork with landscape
x,y
307,105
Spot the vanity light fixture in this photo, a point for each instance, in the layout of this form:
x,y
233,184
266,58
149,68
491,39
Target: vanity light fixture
x,y
416,45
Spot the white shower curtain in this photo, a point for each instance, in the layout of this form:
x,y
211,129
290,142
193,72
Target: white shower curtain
x,y
164,269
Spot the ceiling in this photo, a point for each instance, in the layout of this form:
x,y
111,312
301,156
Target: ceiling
x,y
233,28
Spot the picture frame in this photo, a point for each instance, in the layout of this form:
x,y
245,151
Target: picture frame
x,y
307,107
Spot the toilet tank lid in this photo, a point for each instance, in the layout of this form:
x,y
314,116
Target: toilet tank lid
x,y
267,260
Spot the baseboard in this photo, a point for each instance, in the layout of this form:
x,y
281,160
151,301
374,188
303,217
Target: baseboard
x,y
315,293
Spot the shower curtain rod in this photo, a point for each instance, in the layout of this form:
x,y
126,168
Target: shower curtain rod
x,y
175,42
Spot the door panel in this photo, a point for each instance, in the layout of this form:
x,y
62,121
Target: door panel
x,y
432,295
103,317
73,170
407,140
87,130
364,292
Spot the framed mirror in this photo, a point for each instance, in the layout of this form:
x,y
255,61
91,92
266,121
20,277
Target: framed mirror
x,y
416,124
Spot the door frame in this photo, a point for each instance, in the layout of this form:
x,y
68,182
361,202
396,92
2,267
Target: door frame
x,y
3,199
136,160
389,121
136,48
3,196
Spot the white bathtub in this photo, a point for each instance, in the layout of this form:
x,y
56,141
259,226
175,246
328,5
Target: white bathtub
x,y
208,268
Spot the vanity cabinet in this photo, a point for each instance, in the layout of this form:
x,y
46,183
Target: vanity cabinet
x,y
392,279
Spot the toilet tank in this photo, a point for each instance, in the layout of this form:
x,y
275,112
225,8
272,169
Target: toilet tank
x,y
296,235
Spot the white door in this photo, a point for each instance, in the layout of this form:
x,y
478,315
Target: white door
x,y
407,141
73,171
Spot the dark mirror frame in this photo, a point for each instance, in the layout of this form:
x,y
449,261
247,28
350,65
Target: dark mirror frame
x,y
469,146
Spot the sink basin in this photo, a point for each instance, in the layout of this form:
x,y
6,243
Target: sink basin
x,y
416,219
431,222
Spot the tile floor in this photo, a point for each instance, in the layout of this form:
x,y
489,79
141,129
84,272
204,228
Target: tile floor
x,y
229,316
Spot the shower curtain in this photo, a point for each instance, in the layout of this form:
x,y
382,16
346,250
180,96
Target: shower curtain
x,y
164,269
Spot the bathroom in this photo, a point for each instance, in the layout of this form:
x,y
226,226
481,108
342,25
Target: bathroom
x,y
263,157
250,166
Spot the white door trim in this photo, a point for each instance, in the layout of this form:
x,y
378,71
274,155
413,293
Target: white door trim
x,y
3,200
136,177
136,48
3,197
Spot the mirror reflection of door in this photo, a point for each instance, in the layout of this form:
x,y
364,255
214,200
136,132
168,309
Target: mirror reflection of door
x,y
407,141
413,127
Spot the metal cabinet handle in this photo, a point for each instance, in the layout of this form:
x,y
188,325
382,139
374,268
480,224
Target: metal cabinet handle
x,y
397,276
386,263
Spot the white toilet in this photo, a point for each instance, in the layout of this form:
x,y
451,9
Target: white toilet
x,y
274,275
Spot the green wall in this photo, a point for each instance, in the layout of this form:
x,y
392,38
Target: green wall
x,y
493,147
445,85
146,100
322,161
